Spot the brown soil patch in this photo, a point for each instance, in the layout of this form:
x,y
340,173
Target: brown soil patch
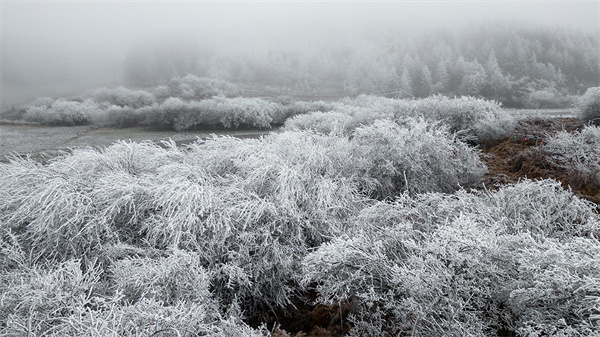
x,y
309,320
513,158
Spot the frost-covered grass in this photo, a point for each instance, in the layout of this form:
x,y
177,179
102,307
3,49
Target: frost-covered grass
x,y
524,258
174,113
415,157
182,104
192,102
476,119
80,298
577,152
219,111
589,106
244,213
107,108
61,112
137,238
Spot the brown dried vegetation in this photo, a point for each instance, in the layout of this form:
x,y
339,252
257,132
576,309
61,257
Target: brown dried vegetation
x,y
513,158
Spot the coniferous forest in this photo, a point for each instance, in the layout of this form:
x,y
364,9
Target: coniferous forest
x,y
520,66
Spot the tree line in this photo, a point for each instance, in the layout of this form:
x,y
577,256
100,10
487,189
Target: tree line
x,y
518,65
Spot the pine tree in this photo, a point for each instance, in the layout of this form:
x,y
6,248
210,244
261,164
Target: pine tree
x,y
423,86
441,75
474,79
405,83
496,84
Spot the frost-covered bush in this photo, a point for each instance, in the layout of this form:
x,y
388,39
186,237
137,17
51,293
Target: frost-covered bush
x,y
165,114
250,208
475,119
124,108
137,238
43,296
577,152
542,208
192,87
123,97
179,277
484,120
215,112
589,106
62,112
439,265
120,117
416,157
346,116
253,208
41,102
300,108
324,122
549,99
228,112
193,102
75,299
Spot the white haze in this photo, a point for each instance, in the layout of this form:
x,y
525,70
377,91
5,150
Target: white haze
x,y
63,48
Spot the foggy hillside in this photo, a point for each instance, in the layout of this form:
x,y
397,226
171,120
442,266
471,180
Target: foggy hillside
x,y
548,50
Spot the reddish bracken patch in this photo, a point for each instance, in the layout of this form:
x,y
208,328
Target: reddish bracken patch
x,y
513,159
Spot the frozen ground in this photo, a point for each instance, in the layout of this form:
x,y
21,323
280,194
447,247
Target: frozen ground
x,y
34,139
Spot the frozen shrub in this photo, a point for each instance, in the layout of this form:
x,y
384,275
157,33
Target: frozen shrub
x,y
41,102
193,102
253,208
122,117
148,317
478,120
549,99
179,105
420,287
47,206
300,108
72,299
451,265
215,112
77,202
123,97
136,238
192,87
417,157
542,208
41,295
578,152
179,277
62,112
324,122
236,112
492,128
589,106
165,114
250,208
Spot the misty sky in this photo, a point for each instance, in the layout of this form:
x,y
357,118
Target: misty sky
x,y
55,48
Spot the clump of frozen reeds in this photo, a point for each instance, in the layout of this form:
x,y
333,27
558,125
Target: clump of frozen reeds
x,y
578,152
518,259
415,157
142,296
589,106
477,120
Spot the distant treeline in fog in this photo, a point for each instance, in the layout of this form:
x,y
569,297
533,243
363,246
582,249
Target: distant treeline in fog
x,y
518,65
